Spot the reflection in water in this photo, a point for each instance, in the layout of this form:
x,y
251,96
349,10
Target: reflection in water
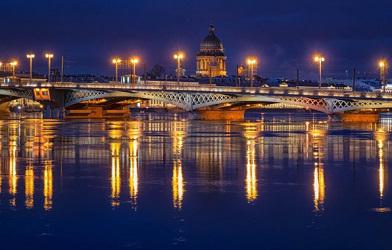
x,y
48,185
115,146
1,154
381,136
215,154
319,188
178,183
122,161
29,187
133,180
134,134
318,137
250,133
13,178
29,140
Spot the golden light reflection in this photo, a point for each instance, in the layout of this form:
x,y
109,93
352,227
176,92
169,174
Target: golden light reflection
x,y
1,150
250,133
1,175
133,180
178,185
318,136
115,135
319,188
13,178
116,175
134,134
48,185
178,182
381,136
29,187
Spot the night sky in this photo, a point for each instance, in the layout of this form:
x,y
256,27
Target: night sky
x,y
283,34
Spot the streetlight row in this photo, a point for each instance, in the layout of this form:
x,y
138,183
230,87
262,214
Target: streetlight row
x,y
133,60
252,62
13,65
382,64
179,56
31,57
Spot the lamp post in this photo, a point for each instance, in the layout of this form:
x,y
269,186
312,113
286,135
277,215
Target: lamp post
x,y
13,65
383,65
116,61
179,56
134,61
252,62
49,56
31,57
320,60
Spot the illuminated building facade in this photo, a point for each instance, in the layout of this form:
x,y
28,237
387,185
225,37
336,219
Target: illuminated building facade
x,y
211,59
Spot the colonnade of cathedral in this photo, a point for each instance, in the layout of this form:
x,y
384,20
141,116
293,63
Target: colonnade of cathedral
x,y
210,65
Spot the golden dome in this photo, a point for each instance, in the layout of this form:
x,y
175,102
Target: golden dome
x,y
211,44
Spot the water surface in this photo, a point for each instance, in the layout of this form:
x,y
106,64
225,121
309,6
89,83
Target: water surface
x,y
172,182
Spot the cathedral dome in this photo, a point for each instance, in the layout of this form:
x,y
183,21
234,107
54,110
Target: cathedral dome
x,y
211,44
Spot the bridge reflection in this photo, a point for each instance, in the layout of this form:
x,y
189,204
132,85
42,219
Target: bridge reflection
x,y
28,147
115,146
178,182
36,154
48,185
29,186
381,137
134,133
318,137
251,131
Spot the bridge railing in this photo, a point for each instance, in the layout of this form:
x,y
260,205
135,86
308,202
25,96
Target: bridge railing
x,y
311,92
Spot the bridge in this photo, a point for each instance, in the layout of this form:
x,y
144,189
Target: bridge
x,y
197,97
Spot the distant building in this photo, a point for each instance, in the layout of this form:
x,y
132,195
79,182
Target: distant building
x,y
211,59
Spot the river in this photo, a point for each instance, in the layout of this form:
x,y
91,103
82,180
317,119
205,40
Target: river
x,y
282,181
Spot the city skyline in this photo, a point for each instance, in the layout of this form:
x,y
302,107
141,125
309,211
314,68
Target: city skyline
x,y
89,41
195,124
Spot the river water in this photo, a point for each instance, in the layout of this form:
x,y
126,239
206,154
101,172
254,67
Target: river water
x,y
283,181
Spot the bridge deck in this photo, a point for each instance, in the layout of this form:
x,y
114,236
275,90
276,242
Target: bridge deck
x,y
311,92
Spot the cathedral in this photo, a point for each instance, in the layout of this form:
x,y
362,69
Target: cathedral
x,y
211,59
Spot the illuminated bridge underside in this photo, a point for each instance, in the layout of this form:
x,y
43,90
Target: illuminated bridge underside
x,y
193,101
8,94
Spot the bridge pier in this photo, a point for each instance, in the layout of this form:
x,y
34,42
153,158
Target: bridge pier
x,y
4,108
98,112
51,111
360,117
215,115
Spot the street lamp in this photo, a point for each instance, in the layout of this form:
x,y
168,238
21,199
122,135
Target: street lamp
x,y
252,63
319,59
31,57
116,61
13,65
179,56
134,61
383,65
49,56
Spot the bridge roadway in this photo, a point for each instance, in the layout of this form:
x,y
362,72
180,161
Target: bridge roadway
x,y
153,86
193,96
